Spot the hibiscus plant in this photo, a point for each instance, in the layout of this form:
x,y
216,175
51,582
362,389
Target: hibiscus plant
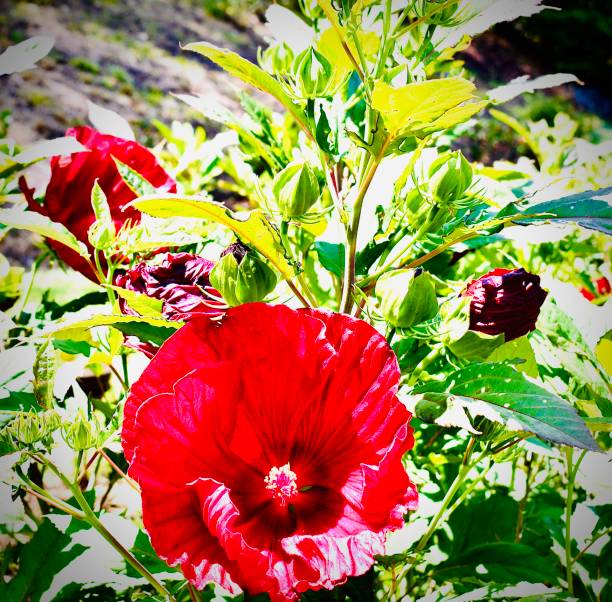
x,y
322,355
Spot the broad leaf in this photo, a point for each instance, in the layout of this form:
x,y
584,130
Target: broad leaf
x,y
501,562
142,304
591,210
66,145
331,256
502,394
140,186
41,224
45,555
109,122
424,107
252,228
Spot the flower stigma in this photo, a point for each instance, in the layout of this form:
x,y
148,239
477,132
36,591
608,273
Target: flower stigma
x,y
282,482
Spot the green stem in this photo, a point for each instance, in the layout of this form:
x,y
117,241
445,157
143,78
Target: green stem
x,y
572,470
90,517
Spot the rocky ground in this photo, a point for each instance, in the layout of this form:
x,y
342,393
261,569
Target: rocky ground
x,y
123,55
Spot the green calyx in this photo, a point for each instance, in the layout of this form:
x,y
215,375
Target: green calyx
x,y
407,297
296,190
241,276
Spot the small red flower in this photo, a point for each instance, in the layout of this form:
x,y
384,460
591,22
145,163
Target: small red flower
x,y
268,448
68,195
180,280
505,302
603,286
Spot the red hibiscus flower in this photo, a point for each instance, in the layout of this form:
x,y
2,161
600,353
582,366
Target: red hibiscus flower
x,y
68,195
505,302
268,448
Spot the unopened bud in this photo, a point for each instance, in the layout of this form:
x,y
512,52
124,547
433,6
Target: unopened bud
x,y
82,433
407,297
296,190
241,276
30,427
450,175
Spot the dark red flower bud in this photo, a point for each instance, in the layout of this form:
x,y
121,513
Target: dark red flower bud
x,y
603,286
237,249
505,302
180,280
68,194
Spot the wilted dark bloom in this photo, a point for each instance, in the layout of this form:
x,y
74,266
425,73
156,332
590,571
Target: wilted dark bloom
x,y
505,302
68,194
180,280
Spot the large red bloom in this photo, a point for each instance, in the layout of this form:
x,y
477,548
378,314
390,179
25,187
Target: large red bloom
x,y
269,449
68,195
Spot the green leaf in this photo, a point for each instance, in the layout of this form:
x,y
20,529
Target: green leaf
x,y
503,562
45,555
155,330
144,552
591,210
73,347
17,401
248,72
424,107
102,232
142,304
251,228
140,186
331,256
504,395
517,349
41,224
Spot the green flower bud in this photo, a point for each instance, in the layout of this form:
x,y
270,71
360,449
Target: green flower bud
x,y
450,175
407,297
241,276
314,74
82,433
296,189
30,427
276,59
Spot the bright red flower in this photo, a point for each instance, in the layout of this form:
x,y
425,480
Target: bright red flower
x,y
603,286
587,294
68,195
268,448
505,302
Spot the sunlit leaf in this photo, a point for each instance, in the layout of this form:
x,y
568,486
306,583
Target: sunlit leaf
x,y
523,84
502,394
424,107
25,55
252,228
41,224
109,122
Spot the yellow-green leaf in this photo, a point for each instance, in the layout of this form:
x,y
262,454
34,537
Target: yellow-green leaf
x,y
78,330
252,228
142,304
425,107
246,71
41,224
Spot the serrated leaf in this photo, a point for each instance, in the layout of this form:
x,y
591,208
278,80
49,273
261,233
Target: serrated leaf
x,y
248,72
102,232
45,555
591,209
159,329
503,395
142,304
140,186
41,224
424,107
503,562
252,228
44,375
